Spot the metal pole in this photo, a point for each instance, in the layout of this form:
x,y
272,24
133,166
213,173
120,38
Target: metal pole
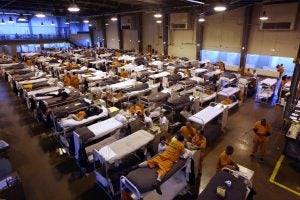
x,y
104,32
166,33
139,20
199,40
294,86
120,32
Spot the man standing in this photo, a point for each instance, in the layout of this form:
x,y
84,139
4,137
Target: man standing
x,y
262,132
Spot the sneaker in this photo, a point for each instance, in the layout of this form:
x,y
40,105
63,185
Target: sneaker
x,y
156,186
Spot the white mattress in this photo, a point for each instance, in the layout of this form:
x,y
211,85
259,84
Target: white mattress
x,y
209,74
97,76
44,90
265,94
105,55
269,82
200,70
207,97
32,81
105,127
7,65
198,79
124,84
228,91
129,144
206,115
159,75
67,123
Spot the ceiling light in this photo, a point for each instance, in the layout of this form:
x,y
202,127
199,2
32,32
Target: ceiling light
x,y
114,19
106,24
220,7
11,21
264,16
194,1
42,23
67,22
201,19
52,23
2,21
73,8
158,21
22,18
90,25
157,15
40,15
86,21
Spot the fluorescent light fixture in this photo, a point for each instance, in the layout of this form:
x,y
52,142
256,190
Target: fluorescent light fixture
x,y
157,15
194,1
52,23
73,8
86,21
22,18
158,21
106,24
90,25
2,21
42,23
220,7
40,15
201,19
264,16
11,21
114,19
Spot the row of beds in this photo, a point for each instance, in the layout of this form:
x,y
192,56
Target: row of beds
x,y
92,140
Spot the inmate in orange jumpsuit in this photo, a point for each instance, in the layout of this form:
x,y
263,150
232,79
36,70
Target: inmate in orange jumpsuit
x,y
188,133
201,142
67,80
81,115
124,74
225,160
260,140
75,81
165,160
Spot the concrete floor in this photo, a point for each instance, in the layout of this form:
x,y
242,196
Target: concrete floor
x,y
46,175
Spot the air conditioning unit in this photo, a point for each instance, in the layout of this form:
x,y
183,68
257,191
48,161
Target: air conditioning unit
x,y
180,21
128,23
277,26
281,17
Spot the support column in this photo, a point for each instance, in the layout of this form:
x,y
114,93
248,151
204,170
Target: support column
x,y
103,27
199,39
294,86
139,22
91,31
245,37
165,22
120,32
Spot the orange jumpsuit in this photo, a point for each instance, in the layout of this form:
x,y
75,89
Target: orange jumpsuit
x,y
260,140
201,142
225,160
165,160
67,80
75,81
188,133
81,115
124,74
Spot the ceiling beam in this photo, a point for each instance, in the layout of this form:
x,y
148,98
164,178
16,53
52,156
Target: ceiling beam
x,y
7,4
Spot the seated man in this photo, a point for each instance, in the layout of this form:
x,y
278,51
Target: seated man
x,y
225,160
165,160
124,73
231,99
136,109
188,131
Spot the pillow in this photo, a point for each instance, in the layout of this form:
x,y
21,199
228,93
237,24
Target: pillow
x,y
121,118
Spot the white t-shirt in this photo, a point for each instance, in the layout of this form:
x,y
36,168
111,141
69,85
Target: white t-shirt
x,y
148,120
164,123
161,147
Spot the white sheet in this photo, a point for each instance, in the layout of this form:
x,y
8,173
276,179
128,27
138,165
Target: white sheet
x,y
98,75
105,127
67,123
198,79
228,91
124,84
129,145
269,82
44,90
32,81
160,75
265,93
200,70
206,115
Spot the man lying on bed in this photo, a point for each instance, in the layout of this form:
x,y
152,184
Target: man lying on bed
x,y
165,160
81,115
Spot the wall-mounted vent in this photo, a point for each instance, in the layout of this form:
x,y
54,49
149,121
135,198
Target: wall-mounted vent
x,y
277,26
180,21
